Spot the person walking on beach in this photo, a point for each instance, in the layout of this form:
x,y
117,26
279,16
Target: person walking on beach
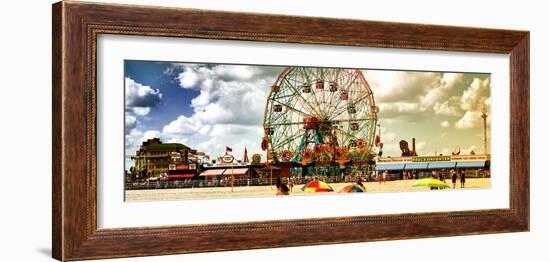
x,y
283,190
290,183
453,177
462,179
385,176
434,176
360,182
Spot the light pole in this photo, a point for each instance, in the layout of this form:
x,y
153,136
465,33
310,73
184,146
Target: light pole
x,y
484,116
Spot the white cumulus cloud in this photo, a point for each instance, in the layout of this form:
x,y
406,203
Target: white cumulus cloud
x,y
476,95
138,95
473,101
228,110
186,126
471,119
139,100
141,111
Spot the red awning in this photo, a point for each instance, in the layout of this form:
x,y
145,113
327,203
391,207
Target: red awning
x,y
176,176
236,171
226,172
212,172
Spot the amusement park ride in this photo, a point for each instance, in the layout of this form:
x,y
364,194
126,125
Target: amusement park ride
x,y
320,121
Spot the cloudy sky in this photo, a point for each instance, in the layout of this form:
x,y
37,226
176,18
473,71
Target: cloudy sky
x,y
211,106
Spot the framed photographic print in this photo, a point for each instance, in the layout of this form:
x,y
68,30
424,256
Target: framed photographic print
x,y
194,131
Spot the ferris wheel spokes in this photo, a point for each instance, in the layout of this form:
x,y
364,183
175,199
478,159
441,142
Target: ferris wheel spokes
x,y
299,99
323,121
288,140
343,88
352,104
315,103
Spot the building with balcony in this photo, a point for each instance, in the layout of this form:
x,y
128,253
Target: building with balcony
x,y
155,157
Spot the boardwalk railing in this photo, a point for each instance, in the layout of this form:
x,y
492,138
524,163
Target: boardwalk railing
x,y
240,182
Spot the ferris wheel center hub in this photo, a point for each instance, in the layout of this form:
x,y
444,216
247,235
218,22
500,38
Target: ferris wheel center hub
x,y
312,122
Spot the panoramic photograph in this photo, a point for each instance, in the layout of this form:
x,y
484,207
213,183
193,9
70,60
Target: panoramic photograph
x,y
209,130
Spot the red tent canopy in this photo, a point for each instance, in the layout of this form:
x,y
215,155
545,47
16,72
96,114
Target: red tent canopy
x,y
179,176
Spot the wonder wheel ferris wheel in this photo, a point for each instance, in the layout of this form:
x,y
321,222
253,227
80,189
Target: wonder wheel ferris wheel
x,y
319,114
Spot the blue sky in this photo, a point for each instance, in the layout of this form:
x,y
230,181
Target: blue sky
x,y
162,76
211,106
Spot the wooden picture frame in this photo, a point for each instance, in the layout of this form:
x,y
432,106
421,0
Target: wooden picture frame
x,y
76,26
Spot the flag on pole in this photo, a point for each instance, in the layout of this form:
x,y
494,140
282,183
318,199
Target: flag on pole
x,y
228,149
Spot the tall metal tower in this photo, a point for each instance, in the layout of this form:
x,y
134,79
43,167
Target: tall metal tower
x,y
484,116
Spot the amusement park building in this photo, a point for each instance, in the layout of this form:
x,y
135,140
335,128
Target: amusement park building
x,y
242,171
155,157
427,163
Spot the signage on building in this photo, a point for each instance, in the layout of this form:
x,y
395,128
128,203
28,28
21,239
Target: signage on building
x,y
430,158
171,167
227,158
229,164
256,158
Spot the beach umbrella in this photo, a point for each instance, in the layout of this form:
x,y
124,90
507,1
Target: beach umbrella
x,y
352,188
430,182
317,186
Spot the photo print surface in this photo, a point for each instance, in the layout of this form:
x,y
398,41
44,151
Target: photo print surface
x,y
207,130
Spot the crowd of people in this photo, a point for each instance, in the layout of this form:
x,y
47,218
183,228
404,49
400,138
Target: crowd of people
x,y
454,175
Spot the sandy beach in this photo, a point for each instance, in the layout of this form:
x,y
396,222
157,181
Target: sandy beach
x,y
250,191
